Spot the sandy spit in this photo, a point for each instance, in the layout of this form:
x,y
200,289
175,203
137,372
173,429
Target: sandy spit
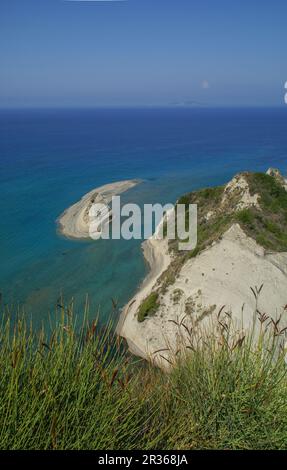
x,y
74,221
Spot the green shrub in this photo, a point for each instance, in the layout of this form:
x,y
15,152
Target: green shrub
x,y
148,307
184,200
245,216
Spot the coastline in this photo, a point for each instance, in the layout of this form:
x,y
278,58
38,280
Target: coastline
x,y
74,221
156,254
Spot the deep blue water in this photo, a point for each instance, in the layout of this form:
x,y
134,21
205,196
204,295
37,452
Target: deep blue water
x,y
50,158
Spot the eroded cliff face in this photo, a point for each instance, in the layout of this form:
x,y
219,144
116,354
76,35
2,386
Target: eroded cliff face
x,y
238,270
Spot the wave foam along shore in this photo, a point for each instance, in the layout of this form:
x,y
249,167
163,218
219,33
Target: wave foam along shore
x,y
74,221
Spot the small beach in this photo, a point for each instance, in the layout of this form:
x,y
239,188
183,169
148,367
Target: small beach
x,y
158,258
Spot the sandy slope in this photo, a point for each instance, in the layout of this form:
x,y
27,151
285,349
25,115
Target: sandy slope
x,y
219,276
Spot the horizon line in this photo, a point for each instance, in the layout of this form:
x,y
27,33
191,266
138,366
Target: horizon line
x,y
139,106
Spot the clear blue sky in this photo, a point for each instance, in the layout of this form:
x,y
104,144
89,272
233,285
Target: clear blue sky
x,y
142,52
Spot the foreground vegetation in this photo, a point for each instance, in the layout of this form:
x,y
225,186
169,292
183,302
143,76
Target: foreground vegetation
x,y
77,388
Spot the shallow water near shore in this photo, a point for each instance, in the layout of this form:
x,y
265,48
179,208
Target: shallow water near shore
x,y
49,159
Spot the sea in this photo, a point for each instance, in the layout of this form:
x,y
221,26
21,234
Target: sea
x,y
49,158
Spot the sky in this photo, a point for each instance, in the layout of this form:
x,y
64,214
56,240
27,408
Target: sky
x,y
74,53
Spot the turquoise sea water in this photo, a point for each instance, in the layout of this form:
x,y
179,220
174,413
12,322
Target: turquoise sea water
x,y
50,158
